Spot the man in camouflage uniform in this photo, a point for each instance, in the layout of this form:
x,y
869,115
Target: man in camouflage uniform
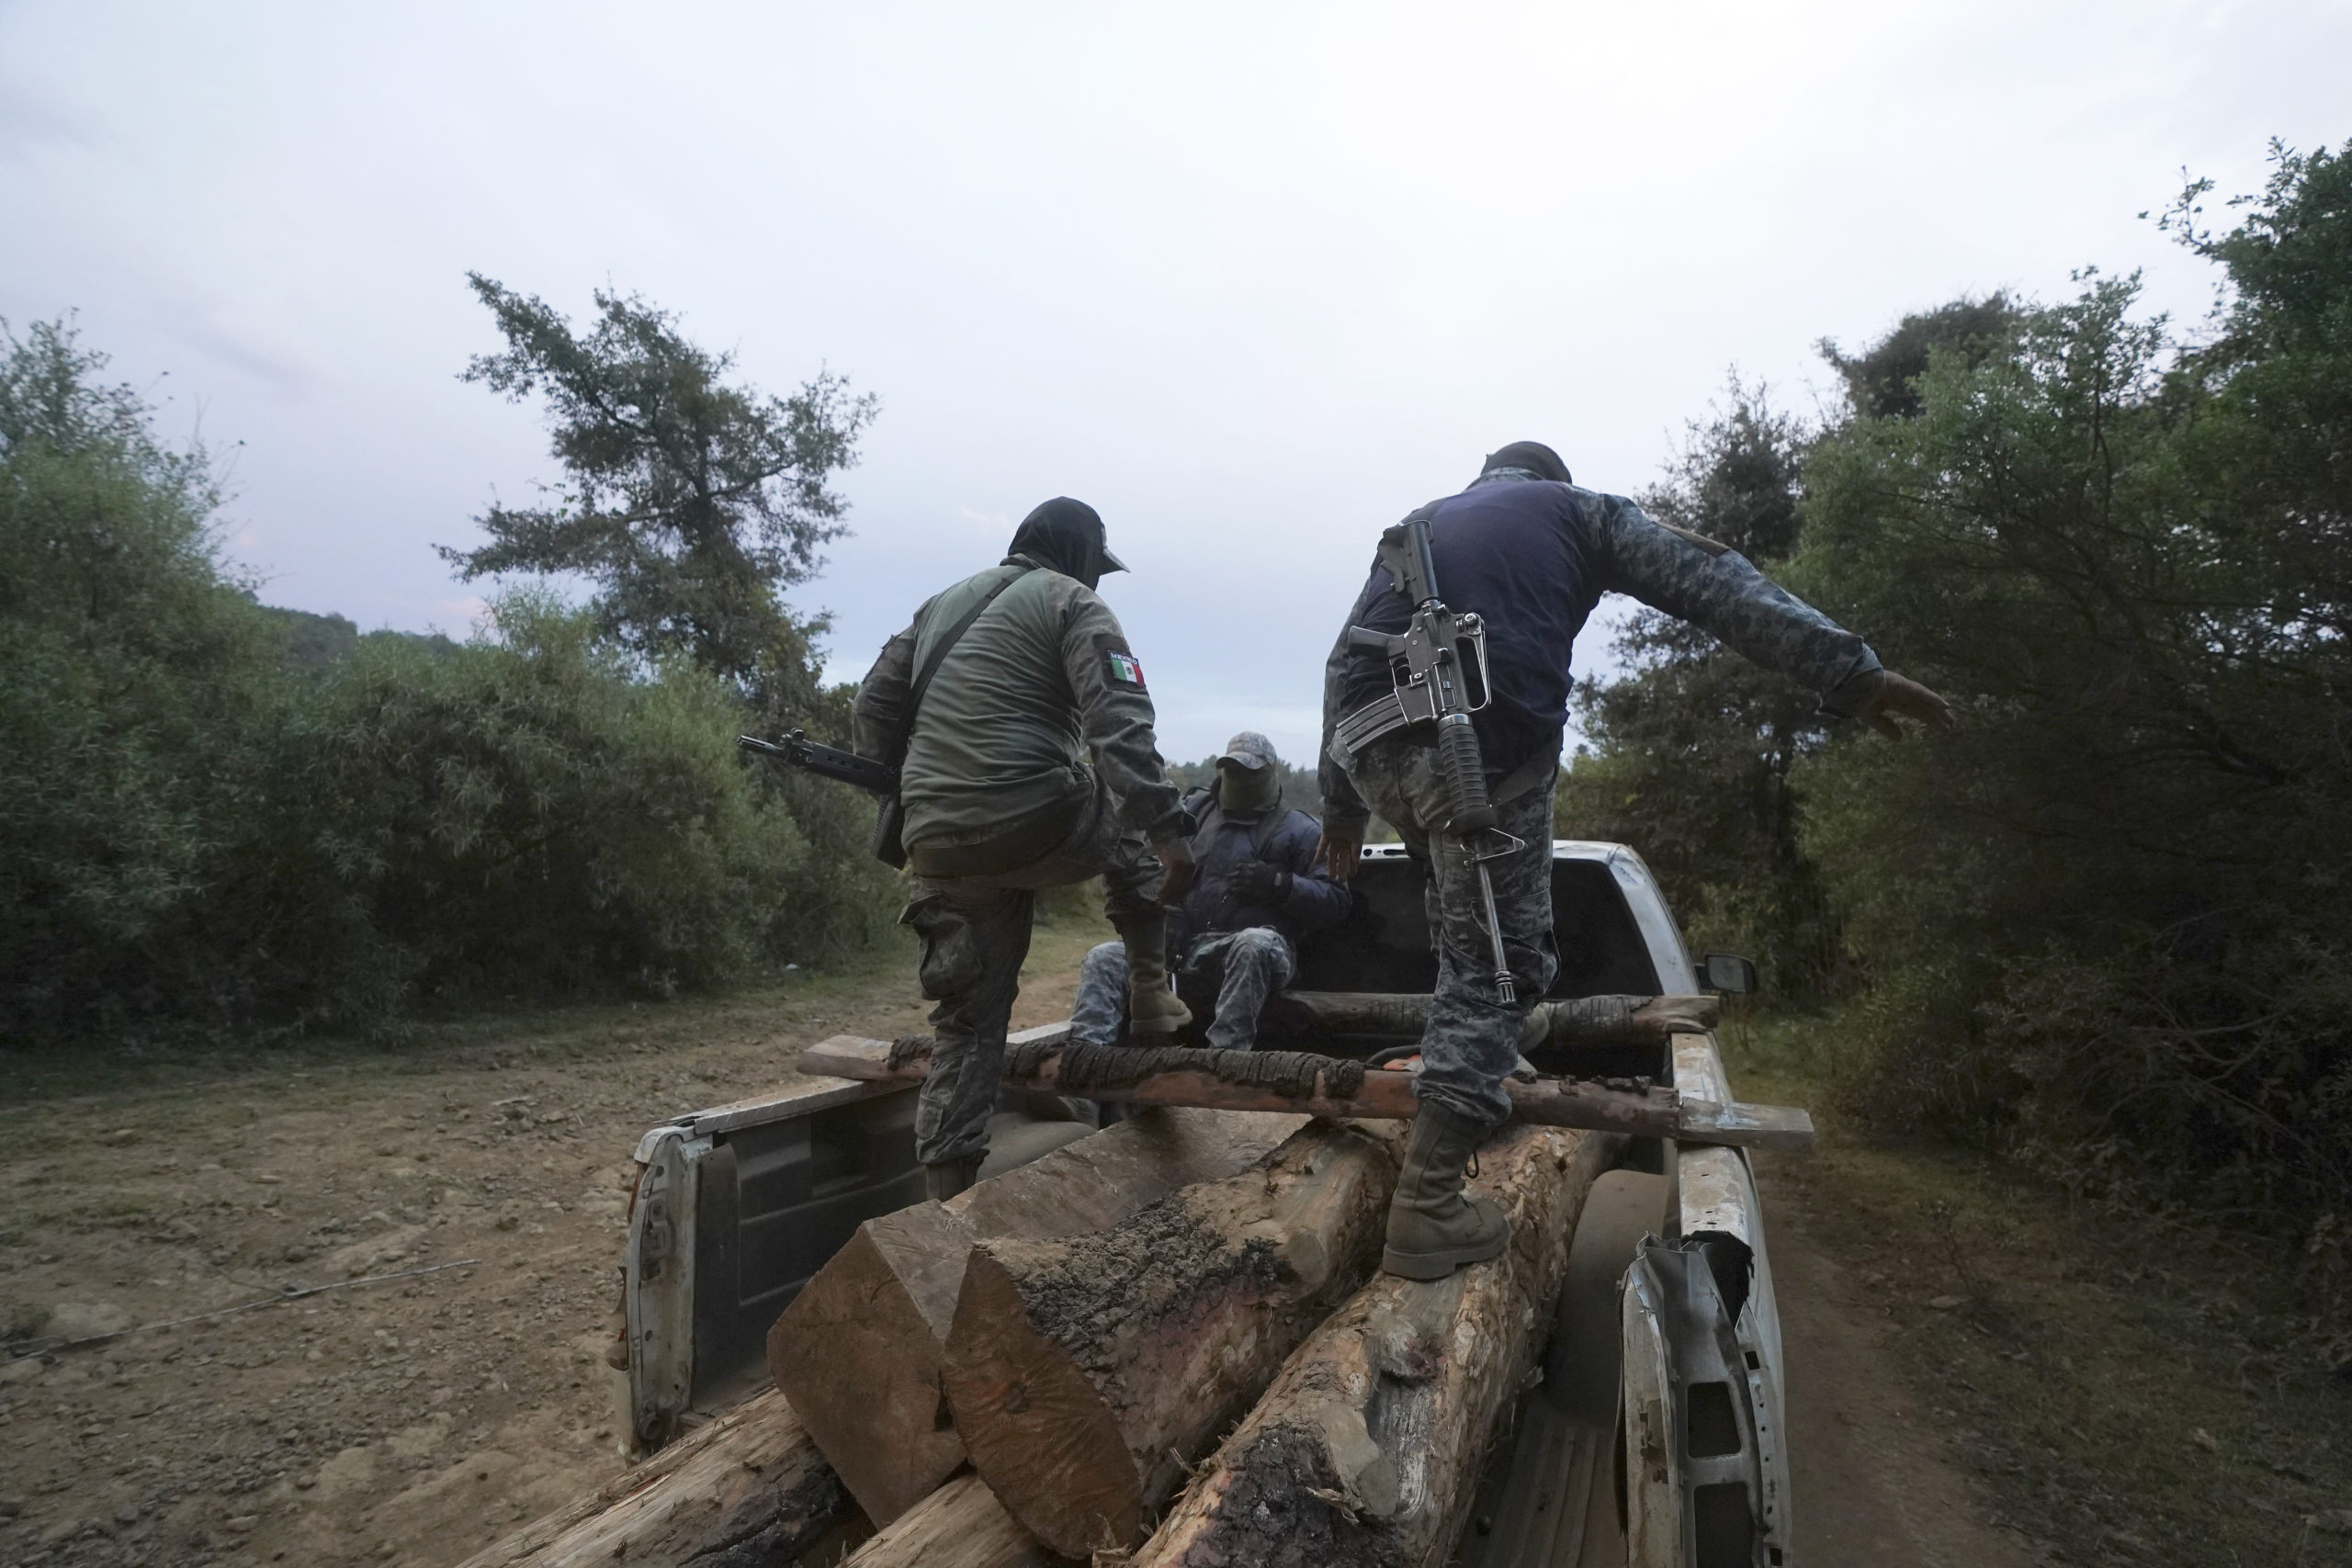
x,y
1530,552
1255,893
1029,762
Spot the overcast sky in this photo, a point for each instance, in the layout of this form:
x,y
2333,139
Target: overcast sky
x,y
1253,279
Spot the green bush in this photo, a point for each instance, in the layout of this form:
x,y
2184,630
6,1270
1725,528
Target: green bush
x,y
203,827
2109,920
136,671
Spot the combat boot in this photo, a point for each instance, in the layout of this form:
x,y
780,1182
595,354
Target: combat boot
x,y
943,1181
1434,1226
1152,1006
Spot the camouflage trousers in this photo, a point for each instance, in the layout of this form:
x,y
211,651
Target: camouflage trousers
x,y
975,932
1472,1041
1256,963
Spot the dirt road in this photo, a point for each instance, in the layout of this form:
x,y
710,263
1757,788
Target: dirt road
x,y
1875,1478
411,1423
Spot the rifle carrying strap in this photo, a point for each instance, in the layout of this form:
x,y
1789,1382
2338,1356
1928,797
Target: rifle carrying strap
x,y
939,651
889,823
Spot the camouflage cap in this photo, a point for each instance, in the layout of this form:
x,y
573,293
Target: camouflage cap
x,y
1249,750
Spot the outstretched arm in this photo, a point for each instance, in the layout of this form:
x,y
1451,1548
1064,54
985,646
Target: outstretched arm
x,y
1718,590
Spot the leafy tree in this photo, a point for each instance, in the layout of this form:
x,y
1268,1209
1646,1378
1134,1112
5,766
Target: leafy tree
x,y
136,666
217,818
2107,920
690,502
1689,757
1880,382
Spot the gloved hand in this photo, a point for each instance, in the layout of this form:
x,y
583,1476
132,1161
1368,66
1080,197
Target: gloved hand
x,y
1255,882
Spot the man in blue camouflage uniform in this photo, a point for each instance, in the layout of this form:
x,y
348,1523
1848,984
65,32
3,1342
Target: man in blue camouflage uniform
x,y
1531,554
1256,890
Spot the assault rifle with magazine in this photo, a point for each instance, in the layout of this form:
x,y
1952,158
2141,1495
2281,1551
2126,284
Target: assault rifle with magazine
x,y
1438,675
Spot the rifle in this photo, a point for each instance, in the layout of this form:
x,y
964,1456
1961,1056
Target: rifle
x,y
1431,683
797,751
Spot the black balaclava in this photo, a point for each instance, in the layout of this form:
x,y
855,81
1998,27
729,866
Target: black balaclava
x,y
1533,456
1067,536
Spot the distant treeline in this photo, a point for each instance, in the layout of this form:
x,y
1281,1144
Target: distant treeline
x,y
218,817
2109,923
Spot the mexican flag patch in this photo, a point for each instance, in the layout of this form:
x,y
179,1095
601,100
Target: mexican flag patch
x,y
1125,671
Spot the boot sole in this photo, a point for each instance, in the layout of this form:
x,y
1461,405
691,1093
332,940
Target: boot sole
x,y
1437,1265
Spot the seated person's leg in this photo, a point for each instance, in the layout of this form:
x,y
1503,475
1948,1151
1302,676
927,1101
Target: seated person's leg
x,y
1258,963
1101,1003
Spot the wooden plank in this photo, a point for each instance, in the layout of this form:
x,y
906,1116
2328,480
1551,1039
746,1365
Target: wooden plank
x,y
1577,1021
1592,1106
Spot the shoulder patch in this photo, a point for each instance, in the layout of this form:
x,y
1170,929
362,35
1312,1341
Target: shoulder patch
x,y
1124,668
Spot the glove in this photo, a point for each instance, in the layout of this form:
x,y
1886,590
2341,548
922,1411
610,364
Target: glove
x,y
1255,882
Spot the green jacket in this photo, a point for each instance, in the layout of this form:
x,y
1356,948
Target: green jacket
x,y
1040,694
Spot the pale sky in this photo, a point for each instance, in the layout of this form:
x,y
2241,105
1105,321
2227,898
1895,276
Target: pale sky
x,y
1253,279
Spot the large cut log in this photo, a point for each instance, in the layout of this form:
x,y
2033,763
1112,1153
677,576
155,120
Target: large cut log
x,y
857,1353
1322,1085
960,1526
1085,1373
1366,1449
1573,1021
748,1488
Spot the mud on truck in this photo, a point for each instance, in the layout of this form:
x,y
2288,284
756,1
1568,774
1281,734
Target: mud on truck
x,y
1607,1393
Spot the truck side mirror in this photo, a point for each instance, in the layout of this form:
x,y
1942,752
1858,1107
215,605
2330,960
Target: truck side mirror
x,y
1728,973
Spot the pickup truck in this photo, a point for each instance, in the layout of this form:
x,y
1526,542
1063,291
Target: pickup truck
x,y
1655,1435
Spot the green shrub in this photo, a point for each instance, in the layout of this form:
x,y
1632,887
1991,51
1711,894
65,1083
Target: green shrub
x,y
2109,921
205,826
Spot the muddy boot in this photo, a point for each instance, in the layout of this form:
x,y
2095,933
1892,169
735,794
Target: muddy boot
x,y
1152,1007
1435,1227
943,1181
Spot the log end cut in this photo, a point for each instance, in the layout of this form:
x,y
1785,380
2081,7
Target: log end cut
x,y
1050,1446
861,1368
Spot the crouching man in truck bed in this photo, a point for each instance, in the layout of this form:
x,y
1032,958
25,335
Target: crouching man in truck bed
x,y
1255,892
1531,554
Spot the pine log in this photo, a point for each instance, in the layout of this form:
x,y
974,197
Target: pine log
x,y
1572,1023
858,1350
1086,1373
748,1488
1367,1450
960,1526
1339,1088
